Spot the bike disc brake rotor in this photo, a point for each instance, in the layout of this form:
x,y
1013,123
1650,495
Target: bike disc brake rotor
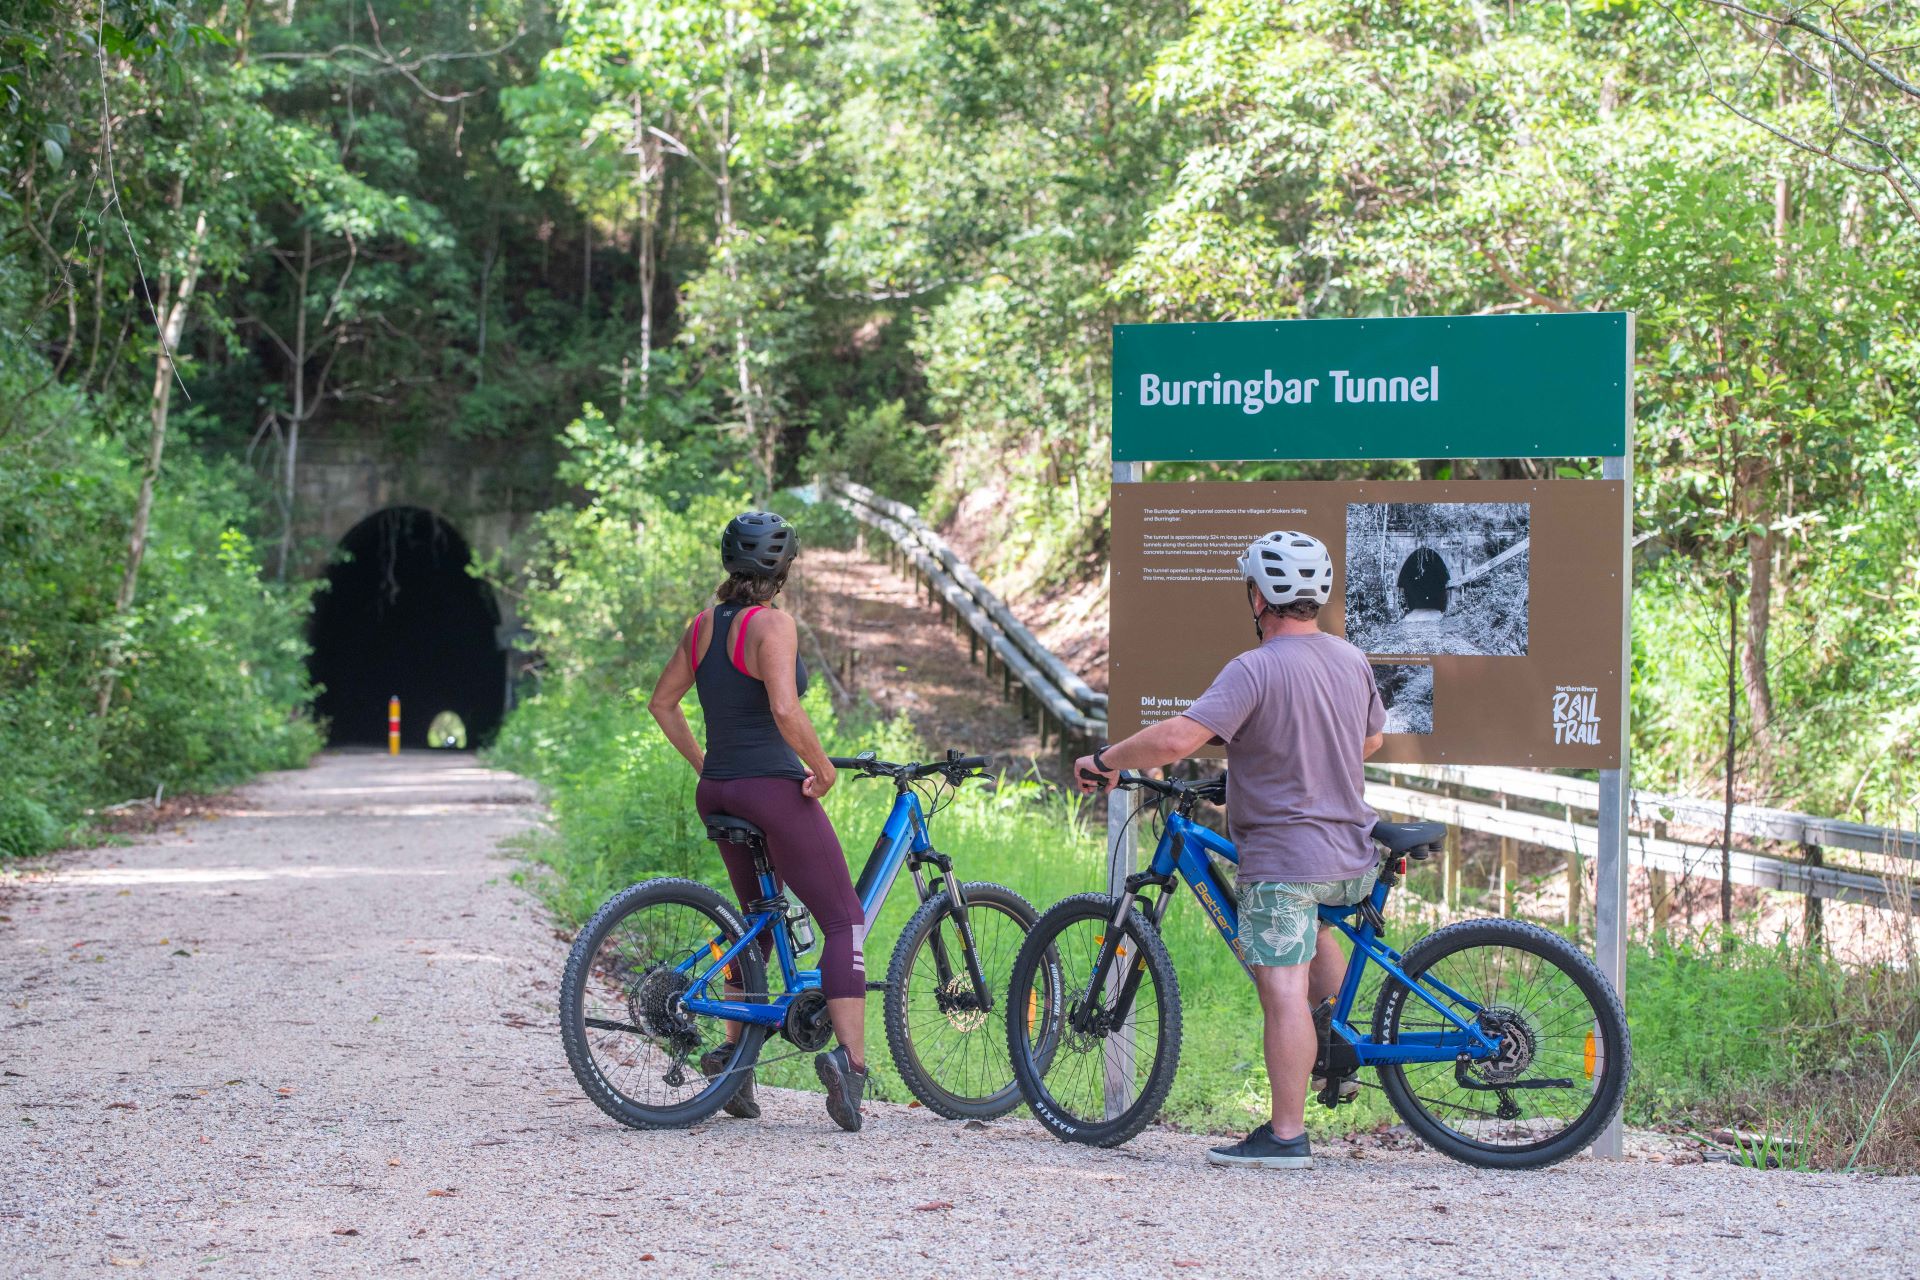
x,y
655,1003
960,1005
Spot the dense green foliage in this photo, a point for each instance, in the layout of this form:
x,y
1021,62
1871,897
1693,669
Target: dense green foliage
x,y
889,238
209,662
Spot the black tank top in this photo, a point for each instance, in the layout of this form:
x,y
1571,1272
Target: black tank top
x,y
742,739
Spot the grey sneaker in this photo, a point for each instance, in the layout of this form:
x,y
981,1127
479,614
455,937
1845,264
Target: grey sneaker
x,y
1261,1150
742,1103
845,1087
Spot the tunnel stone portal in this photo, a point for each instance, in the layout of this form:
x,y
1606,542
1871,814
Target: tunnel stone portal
x,y
400,615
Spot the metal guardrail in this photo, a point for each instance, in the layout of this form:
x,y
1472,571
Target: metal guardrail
x,y
1754,821
1067,707
1399,789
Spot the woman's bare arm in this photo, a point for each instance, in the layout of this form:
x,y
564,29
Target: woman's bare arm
x,y
665,705
772,646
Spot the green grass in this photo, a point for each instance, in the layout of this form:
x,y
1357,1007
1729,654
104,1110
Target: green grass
x,y
623,811
1762,1038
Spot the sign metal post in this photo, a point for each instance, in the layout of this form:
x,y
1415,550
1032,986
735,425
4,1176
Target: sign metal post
x,y
1121,860
1610,874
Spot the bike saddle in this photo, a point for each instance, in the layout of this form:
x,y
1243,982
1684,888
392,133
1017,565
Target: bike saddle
x,y
728,829
1405,837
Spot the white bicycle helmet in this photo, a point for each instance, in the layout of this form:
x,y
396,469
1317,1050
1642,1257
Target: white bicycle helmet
x,y
1287,566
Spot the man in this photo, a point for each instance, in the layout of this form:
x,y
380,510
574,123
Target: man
x,y
1297,714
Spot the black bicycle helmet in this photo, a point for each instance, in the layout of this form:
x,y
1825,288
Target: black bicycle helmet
x,y
759,543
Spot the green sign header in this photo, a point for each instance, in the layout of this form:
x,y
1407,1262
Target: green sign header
x,y
1519,386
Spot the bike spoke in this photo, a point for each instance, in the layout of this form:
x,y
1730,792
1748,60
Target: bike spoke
x,y
1547,1022
1089,1075
646,1053
956,1046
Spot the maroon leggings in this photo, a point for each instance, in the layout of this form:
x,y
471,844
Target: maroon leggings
x,y
806,857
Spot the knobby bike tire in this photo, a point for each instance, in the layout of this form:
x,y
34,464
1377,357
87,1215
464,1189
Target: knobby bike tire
x,y
918,1077
1030,1068
573,987
1586,978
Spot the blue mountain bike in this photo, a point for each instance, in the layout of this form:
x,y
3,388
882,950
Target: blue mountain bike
x,y
1497,1041
659,973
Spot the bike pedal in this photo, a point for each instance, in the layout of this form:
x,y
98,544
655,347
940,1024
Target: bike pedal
x,y
877,986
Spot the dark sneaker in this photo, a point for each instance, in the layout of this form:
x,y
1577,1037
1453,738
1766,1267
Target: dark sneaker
x,y
1261,1150
845,1087
742,1103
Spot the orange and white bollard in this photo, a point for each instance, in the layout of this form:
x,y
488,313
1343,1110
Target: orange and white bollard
x,y
393,725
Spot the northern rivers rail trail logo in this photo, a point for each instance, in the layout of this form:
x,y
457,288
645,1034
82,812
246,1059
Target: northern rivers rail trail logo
x,y
1576,715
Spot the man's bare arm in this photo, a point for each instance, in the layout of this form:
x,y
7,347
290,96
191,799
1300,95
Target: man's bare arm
x,y
1157,744
1372,745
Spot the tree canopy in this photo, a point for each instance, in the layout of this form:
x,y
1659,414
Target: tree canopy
x,y
886,237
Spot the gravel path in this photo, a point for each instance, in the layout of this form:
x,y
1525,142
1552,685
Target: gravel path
x,y
313,1036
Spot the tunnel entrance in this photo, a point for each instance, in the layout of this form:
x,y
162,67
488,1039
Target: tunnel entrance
x,y
400,615
1423,581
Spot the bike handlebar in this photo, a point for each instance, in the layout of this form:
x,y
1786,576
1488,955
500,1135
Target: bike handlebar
x,y
953,766
1214,788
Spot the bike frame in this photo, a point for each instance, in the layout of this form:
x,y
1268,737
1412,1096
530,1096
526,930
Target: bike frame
x,y
903,842
1182,851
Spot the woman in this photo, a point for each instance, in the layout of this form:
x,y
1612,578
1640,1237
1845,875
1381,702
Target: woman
x,y
764,762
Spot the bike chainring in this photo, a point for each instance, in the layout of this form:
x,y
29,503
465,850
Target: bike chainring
x,y
807,1026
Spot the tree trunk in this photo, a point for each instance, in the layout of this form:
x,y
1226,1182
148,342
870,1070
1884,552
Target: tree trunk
x,y
172,322
1753,658
1760,540
646,171
749,413
290,456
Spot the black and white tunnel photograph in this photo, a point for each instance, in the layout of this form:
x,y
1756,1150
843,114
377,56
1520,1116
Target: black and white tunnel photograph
x,y
1438,577
1406,690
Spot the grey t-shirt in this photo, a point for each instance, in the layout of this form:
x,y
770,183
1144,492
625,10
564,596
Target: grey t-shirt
x,y
1294,714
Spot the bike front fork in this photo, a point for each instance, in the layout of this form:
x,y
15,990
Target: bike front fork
x,y
957,907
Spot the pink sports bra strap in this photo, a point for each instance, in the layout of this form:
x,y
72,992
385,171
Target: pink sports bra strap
x,y
740,643
693,641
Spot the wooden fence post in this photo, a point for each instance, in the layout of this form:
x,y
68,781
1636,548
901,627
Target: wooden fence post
x,y
1660,892
1450,867
1816,909
1576,881
1509,872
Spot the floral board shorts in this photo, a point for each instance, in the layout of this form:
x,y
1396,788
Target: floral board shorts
x,y
1279,921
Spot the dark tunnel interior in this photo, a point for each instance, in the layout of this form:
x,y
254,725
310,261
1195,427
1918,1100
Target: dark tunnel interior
x,y
1423,581
401,615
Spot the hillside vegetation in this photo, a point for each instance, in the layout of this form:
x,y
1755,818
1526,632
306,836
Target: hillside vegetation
x,y
673,256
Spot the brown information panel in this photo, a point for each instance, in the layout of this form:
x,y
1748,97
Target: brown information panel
x,y
1491,610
